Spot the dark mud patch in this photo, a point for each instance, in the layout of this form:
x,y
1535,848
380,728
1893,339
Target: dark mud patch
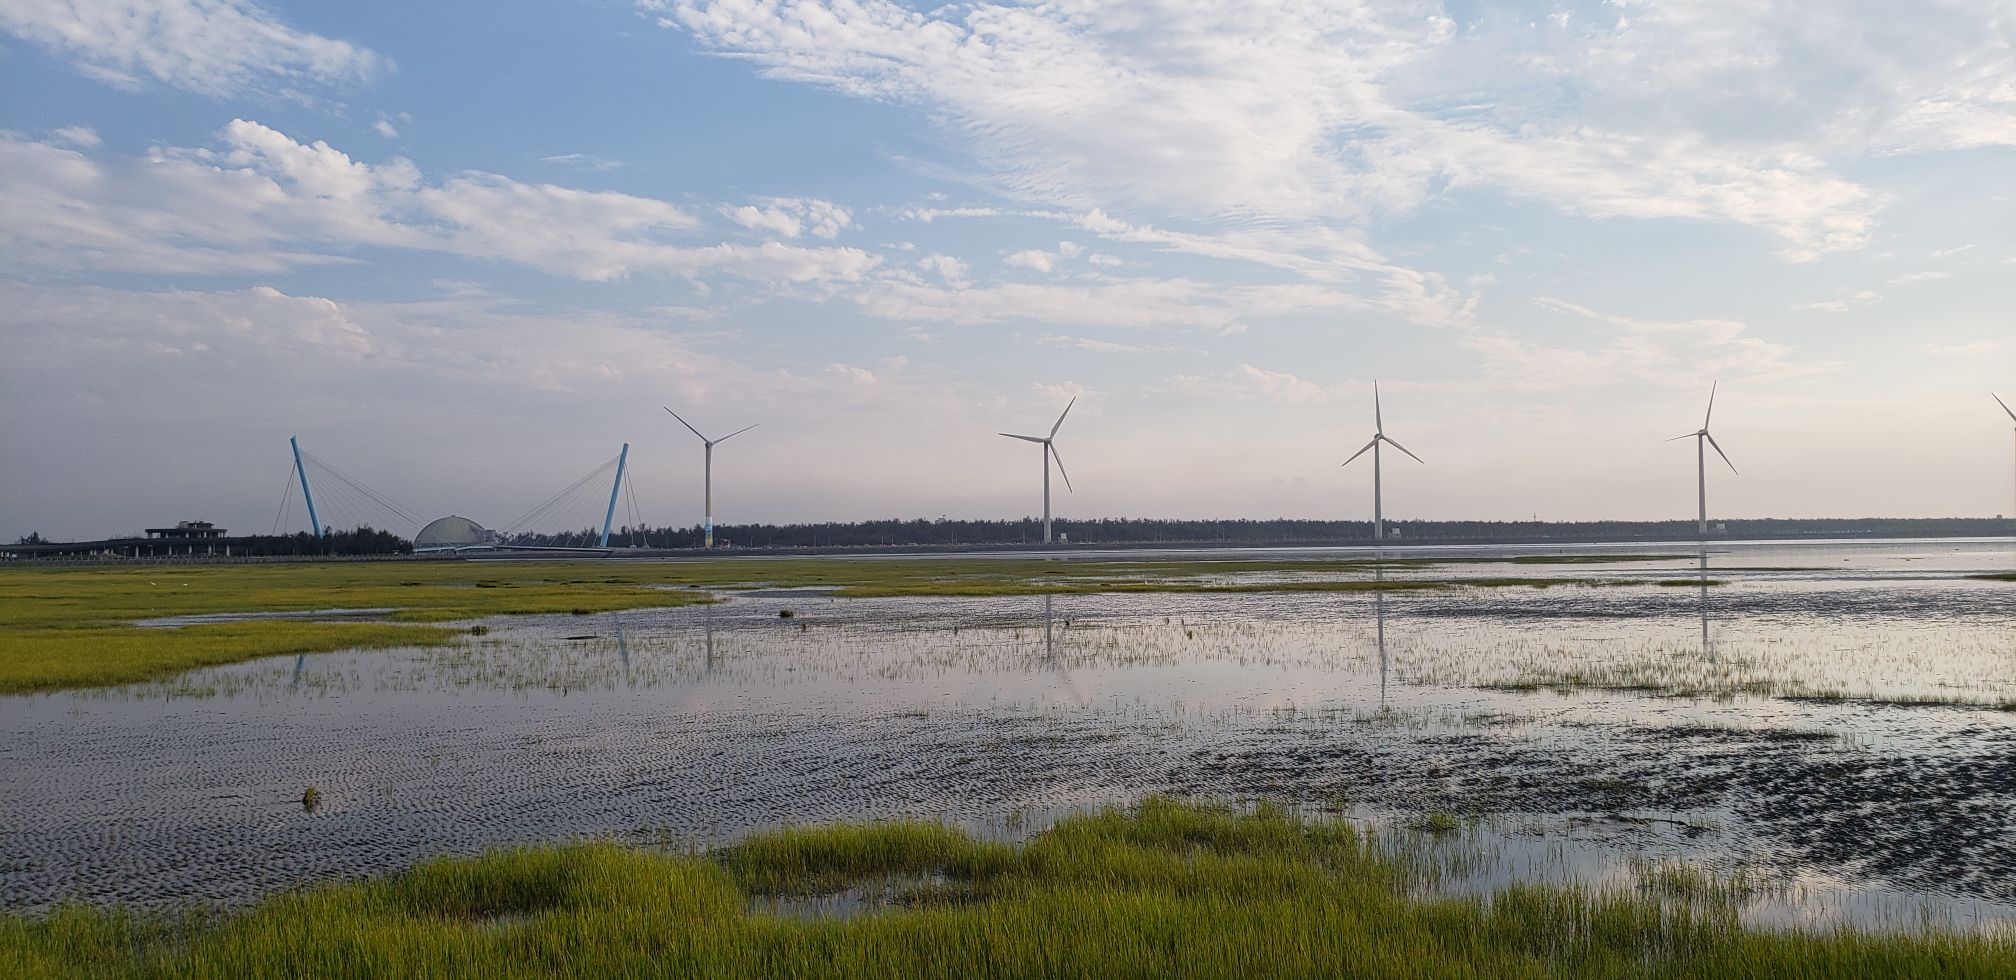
x,y
1941,822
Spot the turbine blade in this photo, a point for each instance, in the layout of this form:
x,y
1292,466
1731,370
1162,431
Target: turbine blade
x,y
688,425
1060,466
1012,435
1404,449
1711,404
1719,452
1361,452
2005,405
735,433
1689,435
1378,418
1060,418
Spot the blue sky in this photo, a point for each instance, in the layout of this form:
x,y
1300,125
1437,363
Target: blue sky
x,y
464,255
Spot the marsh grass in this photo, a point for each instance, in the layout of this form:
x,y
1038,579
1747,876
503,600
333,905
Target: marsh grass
x,y
1169,889
71,627
74,627
47,659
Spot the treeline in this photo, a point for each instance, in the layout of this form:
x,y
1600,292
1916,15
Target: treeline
x,y
951,533
358,541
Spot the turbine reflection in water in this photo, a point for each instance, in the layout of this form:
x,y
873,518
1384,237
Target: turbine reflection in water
x,y
1050,658
1707,648
1379,607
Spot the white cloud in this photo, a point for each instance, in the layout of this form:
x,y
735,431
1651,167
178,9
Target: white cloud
x,y
212,47
82,137
1962,350
1034,259
1140,303
1105,346
1315,113
1860,297
928,215
385,128
790,217
1252,383
1631,352
1911,277
582,161
950,269
1062,391
262,202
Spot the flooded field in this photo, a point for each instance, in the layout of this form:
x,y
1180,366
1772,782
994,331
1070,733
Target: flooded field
x,y
1834,726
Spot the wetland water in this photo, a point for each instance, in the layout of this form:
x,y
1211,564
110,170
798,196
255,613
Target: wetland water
x,y
1771,722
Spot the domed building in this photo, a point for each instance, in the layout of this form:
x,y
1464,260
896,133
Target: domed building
x,y
454,533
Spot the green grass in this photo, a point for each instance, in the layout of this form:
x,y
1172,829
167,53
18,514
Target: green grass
x,y
1171,889
35,660
73,627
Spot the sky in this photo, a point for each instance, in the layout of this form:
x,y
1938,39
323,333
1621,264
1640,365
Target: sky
x,y
465,252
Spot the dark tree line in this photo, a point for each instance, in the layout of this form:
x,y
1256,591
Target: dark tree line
x,y
364,540
946,532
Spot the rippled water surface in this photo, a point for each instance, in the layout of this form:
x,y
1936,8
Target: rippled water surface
x,y
1837,721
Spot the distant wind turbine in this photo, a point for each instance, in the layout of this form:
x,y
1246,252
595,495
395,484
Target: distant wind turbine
x,y
2012,417
1702,440
709,477
1378,436
1049,445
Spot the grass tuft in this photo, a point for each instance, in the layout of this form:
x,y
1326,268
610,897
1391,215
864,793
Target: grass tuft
x,y
1168,889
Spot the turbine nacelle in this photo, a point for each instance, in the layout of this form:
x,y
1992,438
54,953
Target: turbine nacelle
x,y
710,443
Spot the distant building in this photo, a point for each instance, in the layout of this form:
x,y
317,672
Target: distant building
x,y
453,533
187,531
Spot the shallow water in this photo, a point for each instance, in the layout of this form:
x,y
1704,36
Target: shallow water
x,y
1762,725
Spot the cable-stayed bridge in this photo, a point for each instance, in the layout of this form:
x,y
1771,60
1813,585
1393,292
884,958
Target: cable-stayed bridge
x,y
331,499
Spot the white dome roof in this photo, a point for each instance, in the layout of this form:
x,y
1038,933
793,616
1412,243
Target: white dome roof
x,y
452,532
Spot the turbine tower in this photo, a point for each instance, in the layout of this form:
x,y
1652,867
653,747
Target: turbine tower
x,y
1378,436
1702,440
1049,444
709,478
2012,418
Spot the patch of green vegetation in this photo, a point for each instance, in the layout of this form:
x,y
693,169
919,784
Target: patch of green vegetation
x,y
46,659
1437,823
32,598
1996,576
73,627
1170,889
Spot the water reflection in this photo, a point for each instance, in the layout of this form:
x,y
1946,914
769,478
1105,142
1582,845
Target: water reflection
x,y
1707,650
1379,610
707,625
1050,656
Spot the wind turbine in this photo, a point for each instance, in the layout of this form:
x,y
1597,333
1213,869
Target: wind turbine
x,y
710,444
2006,408
1378,436
1702,440
1049,445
